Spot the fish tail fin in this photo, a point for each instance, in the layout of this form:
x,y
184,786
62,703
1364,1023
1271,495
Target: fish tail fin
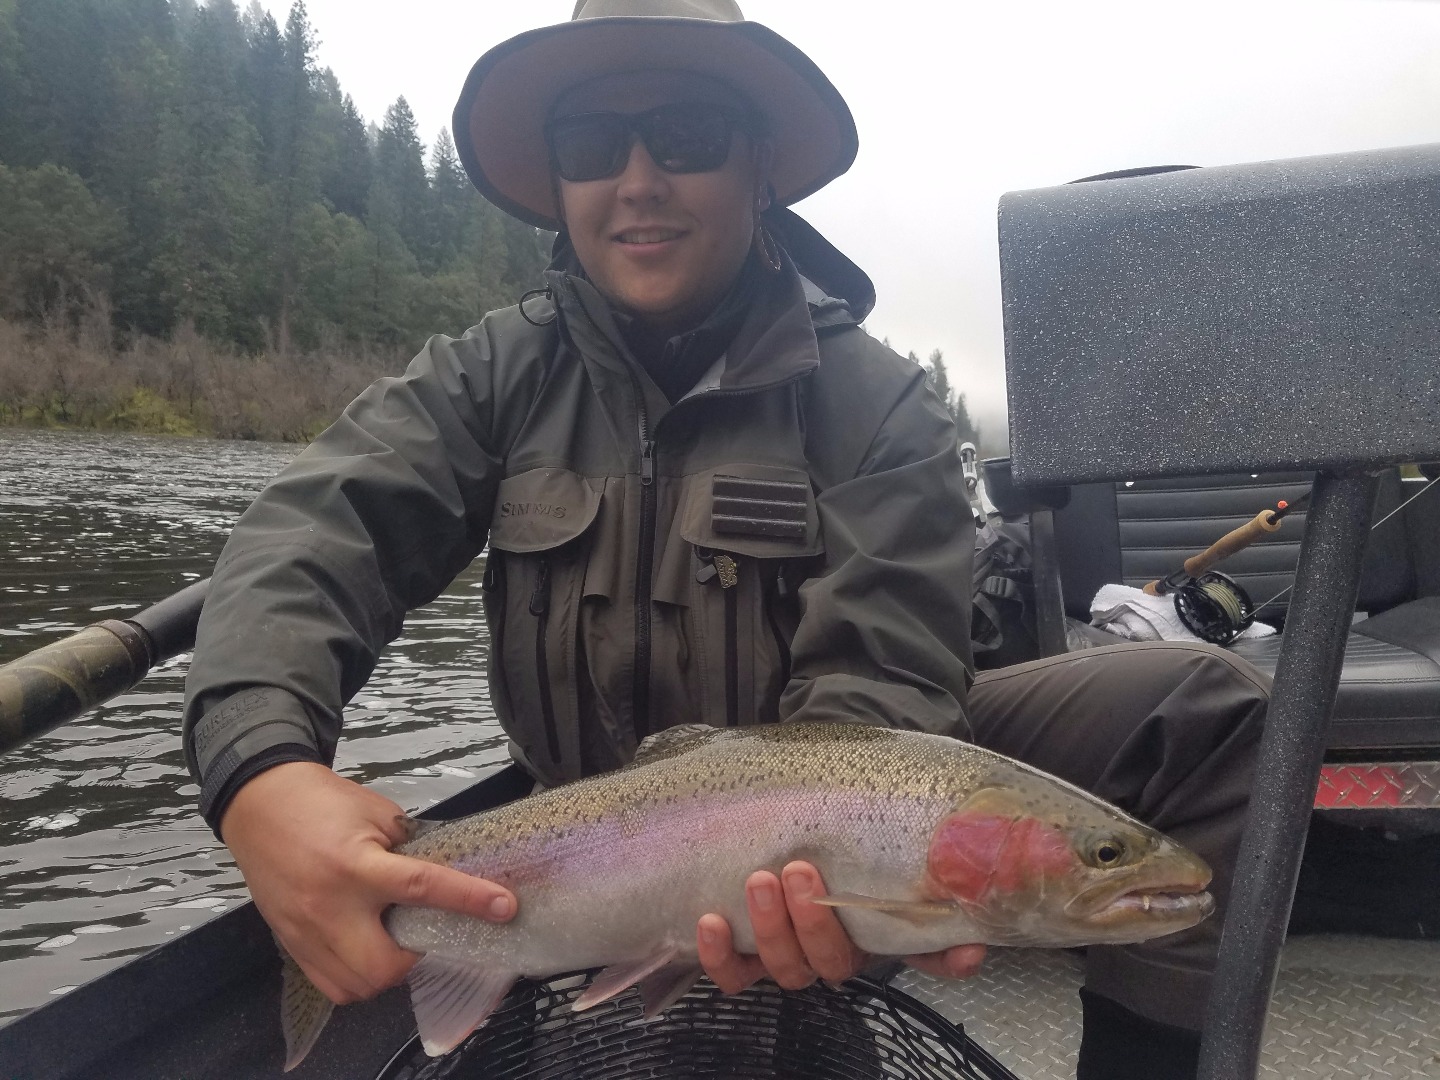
x,y
303,1011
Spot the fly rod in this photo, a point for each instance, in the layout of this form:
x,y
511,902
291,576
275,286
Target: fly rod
x,y
1266,521
1216,607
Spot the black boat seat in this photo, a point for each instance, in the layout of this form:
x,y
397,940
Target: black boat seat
x,y
1133,533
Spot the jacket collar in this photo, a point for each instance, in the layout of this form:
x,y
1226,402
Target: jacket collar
x,y
775,342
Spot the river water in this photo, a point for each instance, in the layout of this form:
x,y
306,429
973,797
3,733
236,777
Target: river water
x,y
102,855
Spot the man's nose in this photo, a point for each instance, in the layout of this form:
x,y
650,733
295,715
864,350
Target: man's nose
x,y
642,179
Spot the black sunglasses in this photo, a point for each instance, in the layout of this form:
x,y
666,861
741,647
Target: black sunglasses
x,y
684,137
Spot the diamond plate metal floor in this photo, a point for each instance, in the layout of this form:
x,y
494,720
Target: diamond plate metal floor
x,y
1345,1008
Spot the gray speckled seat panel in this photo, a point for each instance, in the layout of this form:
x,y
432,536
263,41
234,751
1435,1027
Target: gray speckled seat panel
x,y
1266,316
1389,694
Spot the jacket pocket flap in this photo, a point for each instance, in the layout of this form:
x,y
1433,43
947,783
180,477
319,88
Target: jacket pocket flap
x,y
542,509
763,511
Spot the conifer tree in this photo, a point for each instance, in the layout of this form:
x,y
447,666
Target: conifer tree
x,y
954,402
63,73
293,181
207,271
940,380
264,82
451,193
400,192
345,174
13,90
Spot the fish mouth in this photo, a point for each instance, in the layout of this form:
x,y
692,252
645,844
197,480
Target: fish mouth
x,y
1179,904
1175,893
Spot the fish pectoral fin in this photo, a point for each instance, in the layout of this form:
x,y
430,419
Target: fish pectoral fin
x,y
303,1010
664,987
451,999
620,977
916,911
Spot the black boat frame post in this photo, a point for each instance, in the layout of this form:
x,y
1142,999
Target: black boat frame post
x,y
1195,323
1291,753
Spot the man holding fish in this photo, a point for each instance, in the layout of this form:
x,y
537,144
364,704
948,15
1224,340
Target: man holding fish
x,y
708,498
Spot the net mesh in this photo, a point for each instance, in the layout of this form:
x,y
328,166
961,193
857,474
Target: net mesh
x,y
864,1030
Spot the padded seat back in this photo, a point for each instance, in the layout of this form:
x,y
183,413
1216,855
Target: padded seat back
x,y
1134,532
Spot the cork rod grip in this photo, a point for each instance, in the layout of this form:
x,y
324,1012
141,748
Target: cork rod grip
x,y
1235,540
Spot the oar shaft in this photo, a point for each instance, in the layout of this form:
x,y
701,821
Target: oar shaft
x,y
45,688
54,684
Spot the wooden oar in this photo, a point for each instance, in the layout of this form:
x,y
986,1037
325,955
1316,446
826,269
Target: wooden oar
x,y
44,689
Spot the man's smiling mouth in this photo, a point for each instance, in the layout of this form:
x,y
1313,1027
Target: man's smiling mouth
x,y
648,236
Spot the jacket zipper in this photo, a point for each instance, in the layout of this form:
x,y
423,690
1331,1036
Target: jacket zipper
x,y
540,608
779,592
640,690
640,693
726,569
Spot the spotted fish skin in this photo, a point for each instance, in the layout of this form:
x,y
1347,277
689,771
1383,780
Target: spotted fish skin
x,y
923,842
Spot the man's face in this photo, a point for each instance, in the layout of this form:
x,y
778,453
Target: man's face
x,y
663,246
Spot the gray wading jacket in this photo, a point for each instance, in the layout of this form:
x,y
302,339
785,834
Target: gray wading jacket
x,y
789,541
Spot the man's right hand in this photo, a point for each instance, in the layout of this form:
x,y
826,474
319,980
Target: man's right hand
x,y
315,851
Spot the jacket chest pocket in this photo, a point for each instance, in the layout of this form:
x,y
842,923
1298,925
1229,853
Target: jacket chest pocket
x,y
747,536
539,546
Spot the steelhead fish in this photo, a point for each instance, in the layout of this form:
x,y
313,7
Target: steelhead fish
x,y
923,843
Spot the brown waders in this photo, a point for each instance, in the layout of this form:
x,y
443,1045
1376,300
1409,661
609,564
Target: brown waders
x,y
1168,732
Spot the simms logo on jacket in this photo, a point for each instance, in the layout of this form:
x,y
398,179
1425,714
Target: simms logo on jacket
x,y
532,509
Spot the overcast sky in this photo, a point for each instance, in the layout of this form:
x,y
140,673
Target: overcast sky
x,y
958,102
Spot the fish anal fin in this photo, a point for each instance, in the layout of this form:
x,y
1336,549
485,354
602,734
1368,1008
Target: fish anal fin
x,y
617,978
303,1011
915,911
451,999
667,985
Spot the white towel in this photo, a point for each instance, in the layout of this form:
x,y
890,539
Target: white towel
x,y
1138,616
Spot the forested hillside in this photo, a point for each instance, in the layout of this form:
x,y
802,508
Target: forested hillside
x,y
199,230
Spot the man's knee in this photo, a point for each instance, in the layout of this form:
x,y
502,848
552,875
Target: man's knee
x,y
1189,681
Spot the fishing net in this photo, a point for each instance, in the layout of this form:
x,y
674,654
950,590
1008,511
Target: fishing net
x,y
864,1030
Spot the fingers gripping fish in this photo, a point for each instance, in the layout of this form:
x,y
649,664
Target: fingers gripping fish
x,y
923,842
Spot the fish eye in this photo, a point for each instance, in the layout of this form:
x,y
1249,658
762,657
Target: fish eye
x,y
1107,853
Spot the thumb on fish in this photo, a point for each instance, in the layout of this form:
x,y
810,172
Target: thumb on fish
x,y
417,883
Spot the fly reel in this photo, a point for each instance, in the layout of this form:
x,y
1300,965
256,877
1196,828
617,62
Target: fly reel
x,y
1214,607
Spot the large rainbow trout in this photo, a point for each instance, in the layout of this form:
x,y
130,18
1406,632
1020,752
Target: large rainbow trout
x,y
923,842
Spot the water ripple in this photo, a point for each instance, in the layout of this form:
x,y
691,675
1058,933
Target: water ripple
x,y
102,855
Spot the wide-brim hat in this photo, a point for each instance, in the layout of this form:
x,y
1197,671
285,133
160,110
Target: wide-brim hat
x,y
500,119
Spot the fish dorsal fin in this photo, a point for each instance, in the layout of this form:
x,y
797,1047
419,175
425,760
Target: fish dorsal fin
x,y
618,978
664,987
451,999
673,741
913,911
303,1010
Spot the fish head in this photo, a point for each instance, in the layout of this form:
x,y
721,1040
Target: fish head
x,y
1039,862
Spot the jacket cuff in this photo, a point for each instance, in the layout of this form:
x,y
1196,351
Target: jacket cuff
x,y
249,726
222,785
